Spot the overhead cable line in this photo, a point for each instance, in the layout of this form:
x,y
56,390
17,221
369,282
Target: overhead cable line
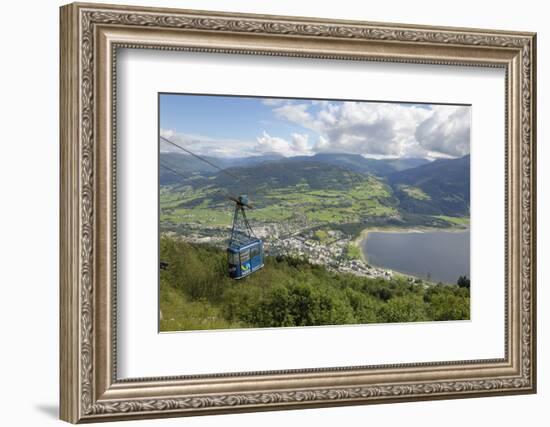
x,y
201,158
174,171
162,165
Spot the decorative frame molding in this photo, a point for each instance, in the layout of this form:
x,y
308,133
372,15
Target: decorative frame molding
x,y
90,36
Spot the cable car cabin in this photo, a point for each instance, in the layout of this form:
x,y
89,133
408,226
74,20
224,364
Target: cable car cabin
x,y
245,257
245,251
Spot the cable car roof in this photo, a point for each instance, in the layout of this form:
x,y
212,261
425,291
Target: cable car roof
x,y
245,243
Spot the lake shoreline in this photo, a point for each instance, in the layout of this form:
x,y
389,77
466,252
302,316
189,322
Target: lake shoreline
x,y
360,240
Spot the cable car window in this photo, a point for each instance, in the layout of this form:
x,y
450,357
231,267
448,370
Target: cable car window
x,y
255,251
245,255
234,258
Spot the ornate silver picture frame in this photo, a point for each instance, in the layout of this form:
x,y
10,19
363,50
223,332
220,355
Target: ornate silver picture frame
x,y
91,36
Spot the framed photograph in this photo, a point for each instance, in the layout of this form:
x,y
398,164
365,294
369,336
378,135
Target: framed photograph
x,y
267,212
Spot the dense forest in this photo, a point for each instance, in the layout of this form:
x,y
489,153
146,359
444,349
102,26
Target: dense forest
x,y
196,293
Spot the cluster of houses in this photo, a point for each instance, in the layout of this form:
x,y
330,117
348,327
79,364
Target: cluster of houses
x,y
284,239
331,255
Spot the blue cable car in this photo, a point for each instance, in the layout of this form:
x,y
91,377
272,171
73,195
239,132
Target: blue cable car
x,y
244,260
245,251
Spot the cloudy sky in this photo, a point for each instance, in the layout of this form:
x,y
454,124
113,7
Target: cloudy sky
x,y
228,126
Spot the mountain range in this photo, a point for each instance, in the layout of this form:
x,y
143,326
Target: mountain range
x,y
412,185
191,166
441,187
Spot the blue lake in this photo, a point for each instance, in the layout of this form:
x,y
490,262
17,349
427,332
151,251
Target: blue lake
x,y
442,256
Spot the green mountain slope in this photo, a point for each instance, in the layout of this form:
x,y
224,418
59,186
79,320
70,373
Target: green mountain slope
x,y
351,162
315,175
190,166
312,193
357,163
190,169
196,293
306,193
405,163
438,188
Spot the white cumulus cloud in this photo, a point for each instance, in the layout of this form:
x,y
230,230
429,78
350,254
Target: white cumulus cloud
x,y
298,145
446,131
204,145
383,129
366,128
296,113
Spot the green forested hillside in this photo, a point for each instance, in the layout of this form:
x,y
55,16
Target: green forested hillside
x,y
352,162
195,293
193,168
438,188
358,163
